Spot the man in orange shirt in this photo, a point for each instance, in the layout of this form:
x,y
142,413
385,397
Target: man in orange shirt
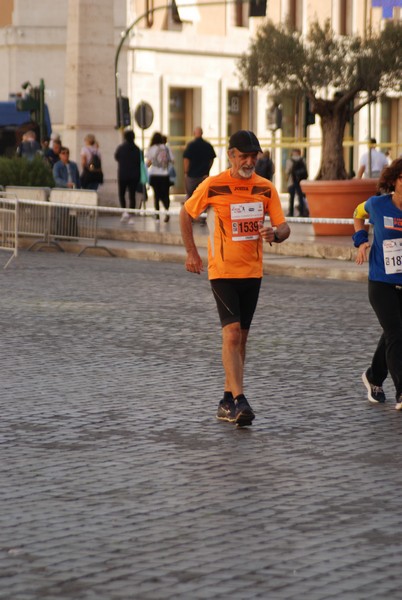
x,y
236,202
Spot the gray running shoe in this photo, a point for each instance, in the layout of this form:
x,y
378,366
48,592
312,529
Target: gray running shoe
x,y
226,410
244,414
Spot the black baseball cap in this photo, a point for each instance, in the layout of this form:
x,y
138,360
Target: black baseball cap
x,y
245,141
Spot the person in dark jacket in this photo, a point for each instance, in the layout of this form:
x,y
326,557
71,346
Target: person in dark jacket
x,y
128,156
265,166
198,158
52,155
296,171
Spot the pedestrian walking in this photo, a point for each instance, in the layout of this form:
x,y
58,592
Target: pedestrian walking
x,y
198,158
128,157
237,201
91,164
265,166
159,159
296,170
385,279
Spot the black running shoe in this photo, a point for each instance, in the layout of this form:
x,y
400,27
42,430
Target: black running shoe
x,y
226,410
375,393
244,414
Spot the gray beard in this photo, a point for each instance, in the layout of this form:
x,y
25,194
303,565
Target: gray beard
x,y
246,174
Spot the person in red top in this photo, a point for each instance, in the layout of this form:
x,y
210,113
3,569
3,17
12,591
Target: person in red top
x,y
236,202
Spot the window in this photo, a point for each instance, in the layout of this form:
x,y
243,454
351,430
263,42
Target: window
x,y
184,14
237,111
149,7
258,8
240,13
345,17
181,111
295,14
386,119
6,13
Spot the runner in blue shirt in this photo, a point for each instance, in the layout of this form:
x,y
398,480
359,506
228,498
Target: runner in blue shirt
x,y
385,278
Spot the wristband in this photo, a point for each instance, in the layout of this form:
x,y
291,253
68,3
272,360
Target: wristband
x,y
360,237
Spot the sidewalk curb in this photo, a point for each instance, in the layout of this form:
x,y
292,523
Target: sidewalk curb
x,y
273,263
303,249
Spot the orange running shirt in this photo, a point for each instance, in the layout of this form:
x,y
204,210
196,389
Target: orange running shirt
x,y
234,209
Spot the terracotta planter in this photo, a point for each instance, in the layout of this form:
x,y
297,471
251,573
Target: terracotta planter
x,y
336,200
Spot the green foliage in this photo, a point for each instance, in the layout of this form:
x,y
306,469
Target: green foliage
x,y
323,63
20,171
338,74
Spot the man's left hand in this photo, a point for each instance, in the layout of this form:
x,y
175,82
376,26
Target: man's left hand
x,y
267,233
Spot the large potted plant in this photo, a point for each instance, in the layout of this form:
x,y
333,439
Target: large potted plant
x,y
339,75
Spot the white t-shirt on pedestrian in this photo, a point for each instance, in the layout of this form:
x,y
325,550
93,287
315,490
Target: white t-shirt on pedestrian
x,y
378,162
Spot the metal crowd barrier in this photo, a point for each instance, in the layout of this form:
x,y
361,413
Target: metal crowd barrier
x,y
65,217
30,217
69,215
9,225
312,220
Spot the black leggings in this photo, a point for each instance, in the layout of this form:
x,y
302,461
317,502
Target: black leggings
x,y
123,185
160,185
386,300
236,300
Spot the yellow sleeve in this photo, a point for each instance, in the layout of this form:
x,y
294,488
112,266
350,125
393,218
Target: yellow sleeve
x,y
360,212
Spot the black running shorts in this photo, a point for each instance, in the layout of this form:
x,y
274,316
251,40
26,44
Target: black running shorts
x,y
236,299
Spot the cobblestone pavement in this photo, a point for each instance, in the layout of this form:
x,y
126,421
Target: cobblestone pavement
x,y
118,483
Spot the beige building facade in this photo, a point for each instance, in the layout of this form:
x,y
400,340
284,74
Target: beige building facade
x,y
181,60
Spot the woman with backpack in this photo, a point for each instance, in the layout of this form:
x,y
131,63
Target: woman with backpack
x,y
91,175
159,159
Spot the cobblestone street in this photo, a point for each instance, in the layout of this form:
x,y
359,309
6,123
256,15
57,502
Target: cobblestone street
x,y
118,483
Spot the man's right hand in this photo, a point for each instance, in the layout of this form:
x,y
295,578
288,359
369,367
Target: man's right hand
x,y
194,262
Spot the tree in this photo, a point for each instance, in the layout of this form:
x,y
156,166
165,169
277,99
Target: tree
x,y
338,74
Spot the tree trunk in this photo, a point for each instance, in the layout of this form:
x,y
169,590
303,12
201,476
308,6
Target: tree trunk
x,y
333,121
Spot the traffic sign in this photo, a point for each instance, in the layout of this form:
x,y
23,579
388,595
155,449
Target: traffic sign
x,y
144,115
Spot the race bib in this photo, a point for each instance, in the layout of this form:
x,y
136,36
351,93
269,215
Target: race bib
x,y
392,256
245,219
